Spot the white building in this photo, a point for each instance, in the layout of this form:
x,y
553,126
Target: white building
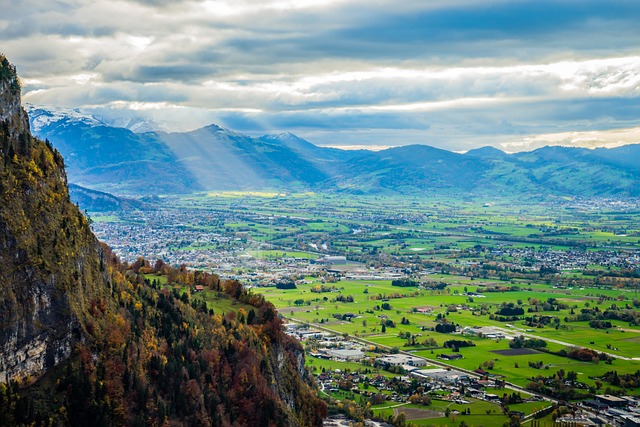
x,y
401,359
439,374
347,355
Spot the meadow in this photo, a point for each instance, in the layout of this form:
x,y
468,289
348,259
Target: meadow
x,y
366,324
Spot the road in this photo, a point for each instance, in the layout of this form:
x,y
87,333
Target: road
x,y
528,335
507,385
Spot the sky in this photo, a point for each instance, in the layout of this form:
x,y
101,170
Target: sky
x,y
455,74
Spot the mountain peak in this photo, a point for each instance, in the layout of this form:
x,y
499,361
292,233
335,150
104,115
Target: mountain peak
x,y
215,128
43,116
289,140
285,135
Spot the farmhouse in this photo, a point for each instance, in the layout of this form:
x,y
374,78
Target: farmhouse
x,y
489,332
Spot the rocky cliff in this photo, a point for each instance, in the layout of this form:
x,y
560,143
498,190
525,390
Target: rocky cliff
x,y
131,352
49,259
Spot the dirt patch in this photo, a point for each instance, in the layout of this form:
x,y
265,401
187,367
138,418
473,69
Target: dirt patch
x,y
417,414
515,352
427,308
577,298
297,309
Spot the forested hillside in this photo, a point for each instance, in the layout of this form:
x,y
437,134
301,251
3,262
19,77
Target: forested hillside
x,y
153,357
50,262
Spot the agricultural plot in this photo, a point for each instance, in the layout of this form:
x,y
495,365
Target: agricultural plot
x,y
413,333
566,272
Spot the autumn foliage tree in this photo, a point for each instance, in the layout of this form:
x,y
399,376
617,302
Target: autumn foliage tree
x,y
155,357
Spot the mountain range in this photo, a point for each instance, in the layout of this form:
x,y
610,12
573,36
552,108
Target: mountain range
x,y
119,160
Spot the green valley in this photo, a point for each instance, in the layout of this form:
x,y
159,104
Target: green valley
x,y
525,285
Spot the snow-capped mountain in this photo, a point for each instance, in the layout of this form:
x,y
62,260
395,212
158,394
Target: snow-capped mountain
x,y
115,159
41,117
136,124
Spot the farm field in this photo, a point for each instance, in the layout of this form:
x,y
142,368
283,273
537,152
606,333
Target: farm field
x,y
366,324
388,271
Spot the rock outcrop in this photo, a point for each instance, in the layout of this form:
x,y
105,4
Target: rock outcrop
x,y
49,259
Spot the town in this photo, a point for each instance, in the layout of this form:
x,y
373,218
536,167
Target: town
x,y
426,312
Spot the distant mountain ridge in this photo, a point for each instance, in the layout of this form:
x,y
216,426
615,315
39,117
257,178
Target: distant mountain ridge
x,y
98,201
121,161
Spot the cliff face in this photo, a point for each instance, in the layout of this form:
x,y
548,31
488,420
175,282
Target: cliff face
x,y
49,259
11,110
134,352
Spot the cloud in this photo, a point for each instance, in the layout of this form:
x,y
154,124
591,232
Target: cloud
x,y
463,72
588,139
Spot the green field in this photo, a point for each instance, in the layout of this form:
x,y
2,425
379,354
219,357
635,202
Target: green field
x,y
367,325
479,254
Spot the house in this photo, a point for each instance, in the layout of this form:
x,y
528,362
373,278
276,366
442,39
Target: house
x,y
199,288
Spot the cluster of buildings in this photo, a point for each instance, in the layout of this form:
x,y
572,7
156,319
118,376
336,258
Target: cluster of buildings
x,y
456,384
488,332
569,260
620,411
170,236
201,240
